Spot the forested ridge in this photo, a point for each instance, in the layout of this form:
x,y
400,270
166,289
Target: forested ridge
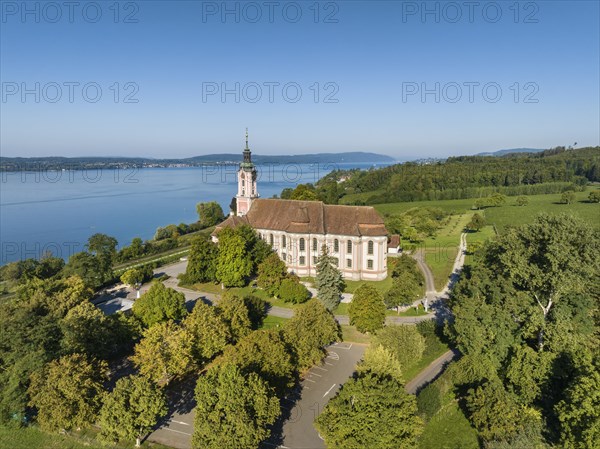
x,y
550,171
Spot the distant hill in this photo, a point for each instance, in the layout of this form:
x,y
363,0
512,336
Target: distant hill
x,y
511,150
82,163
351,157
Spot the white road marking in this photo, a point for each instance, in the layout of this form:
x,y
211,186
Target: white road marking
x,y
327,363
329,391
333,355
315,374
311,381
177,431
179,422
318,367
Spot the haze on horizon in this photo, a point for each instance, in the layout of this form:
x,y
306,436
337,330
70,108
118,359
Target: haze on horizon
x,y
370,57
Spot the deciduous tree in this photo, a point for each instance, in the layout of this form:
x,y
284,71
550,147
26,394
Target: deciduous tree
x,y
371,411
164,352
202,262
234,263
209,331
271,273
367,310
67,393
131,410
159,304
233,411
209,214
310,329
404,342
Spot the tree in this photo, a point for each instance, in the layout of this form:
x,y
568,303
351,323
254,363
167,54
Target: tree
x,y
310,329
88,267
568,197
549,259
86,330
367,310
329,281
496,414
266,353
164,352
381,361
134,277
209,331
371,411
233,411
257,310
104,248
406,288
594,196
304,192
131,410
67,392
235,313
404,342
209,214
477,222
159,304
233,205
579,412
202,262
234,263
522,201
293,291
271,273
497,199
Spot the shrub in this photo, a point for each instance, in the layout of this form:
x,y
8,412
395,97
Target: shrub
x,y
293,291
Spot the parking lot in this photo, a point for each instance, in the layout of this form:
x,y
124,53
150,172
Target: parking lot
x,y
296,431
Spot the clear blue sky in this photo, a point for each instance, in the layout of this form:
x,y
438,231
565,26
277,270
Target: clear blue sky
x,y
375,52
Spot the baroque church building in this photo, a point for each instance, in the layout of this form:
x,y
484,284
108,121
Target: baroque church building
x,y
355,235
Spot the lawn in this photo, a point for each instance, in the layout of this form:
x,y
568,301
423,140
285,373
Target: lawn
x,y
350,334
271,322
33,438
449,428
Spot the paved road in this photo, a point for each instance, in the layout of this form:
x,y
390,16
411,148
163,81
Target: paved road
x,y
295,429
431,373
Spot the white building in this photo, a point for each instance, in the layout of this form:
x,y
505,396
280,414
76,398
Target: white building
x,y
355,235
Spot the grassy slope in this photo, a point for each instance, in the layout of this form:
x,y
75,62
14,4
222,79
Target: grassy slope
x,y
33,438
440,251
448,428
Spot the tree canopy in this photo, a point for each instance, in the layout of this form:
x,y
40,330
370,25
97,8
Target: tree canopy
x,y
367,310
159,304
329,281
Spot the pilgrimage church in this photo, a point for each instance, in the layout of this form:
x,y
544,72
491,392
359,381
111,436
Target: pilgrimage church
x,y
355,235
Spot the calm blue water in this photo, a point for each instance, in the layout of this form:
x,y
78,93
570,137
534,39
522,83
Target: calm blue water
x,y
58,211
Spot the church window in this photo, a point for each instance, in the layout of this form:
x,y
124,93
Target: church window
x,y
283,256
302,260
314,260
336,246
283,242
289,258
348,263
370,248
302,245
370,264
336,261
349,246
315,248
271,239
243,183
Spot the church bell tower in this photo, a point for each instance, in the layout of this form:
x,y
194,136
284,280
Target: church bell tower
x,y
246,176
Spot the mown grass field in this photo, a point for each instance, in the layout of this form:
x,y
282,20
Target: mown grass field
x,y
441,250
34,438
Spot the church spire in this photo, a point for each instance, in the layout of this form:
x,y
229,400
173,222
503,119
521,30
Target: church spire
x,y
247,154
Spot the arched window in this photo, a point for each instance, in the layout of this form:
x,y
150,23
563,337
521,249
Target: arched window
x,y
315,245
349,246
336,246
283,242
271,239
370,247
302,245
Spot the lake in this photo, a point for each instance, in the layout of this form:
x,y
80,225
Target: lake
x,y
58,210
